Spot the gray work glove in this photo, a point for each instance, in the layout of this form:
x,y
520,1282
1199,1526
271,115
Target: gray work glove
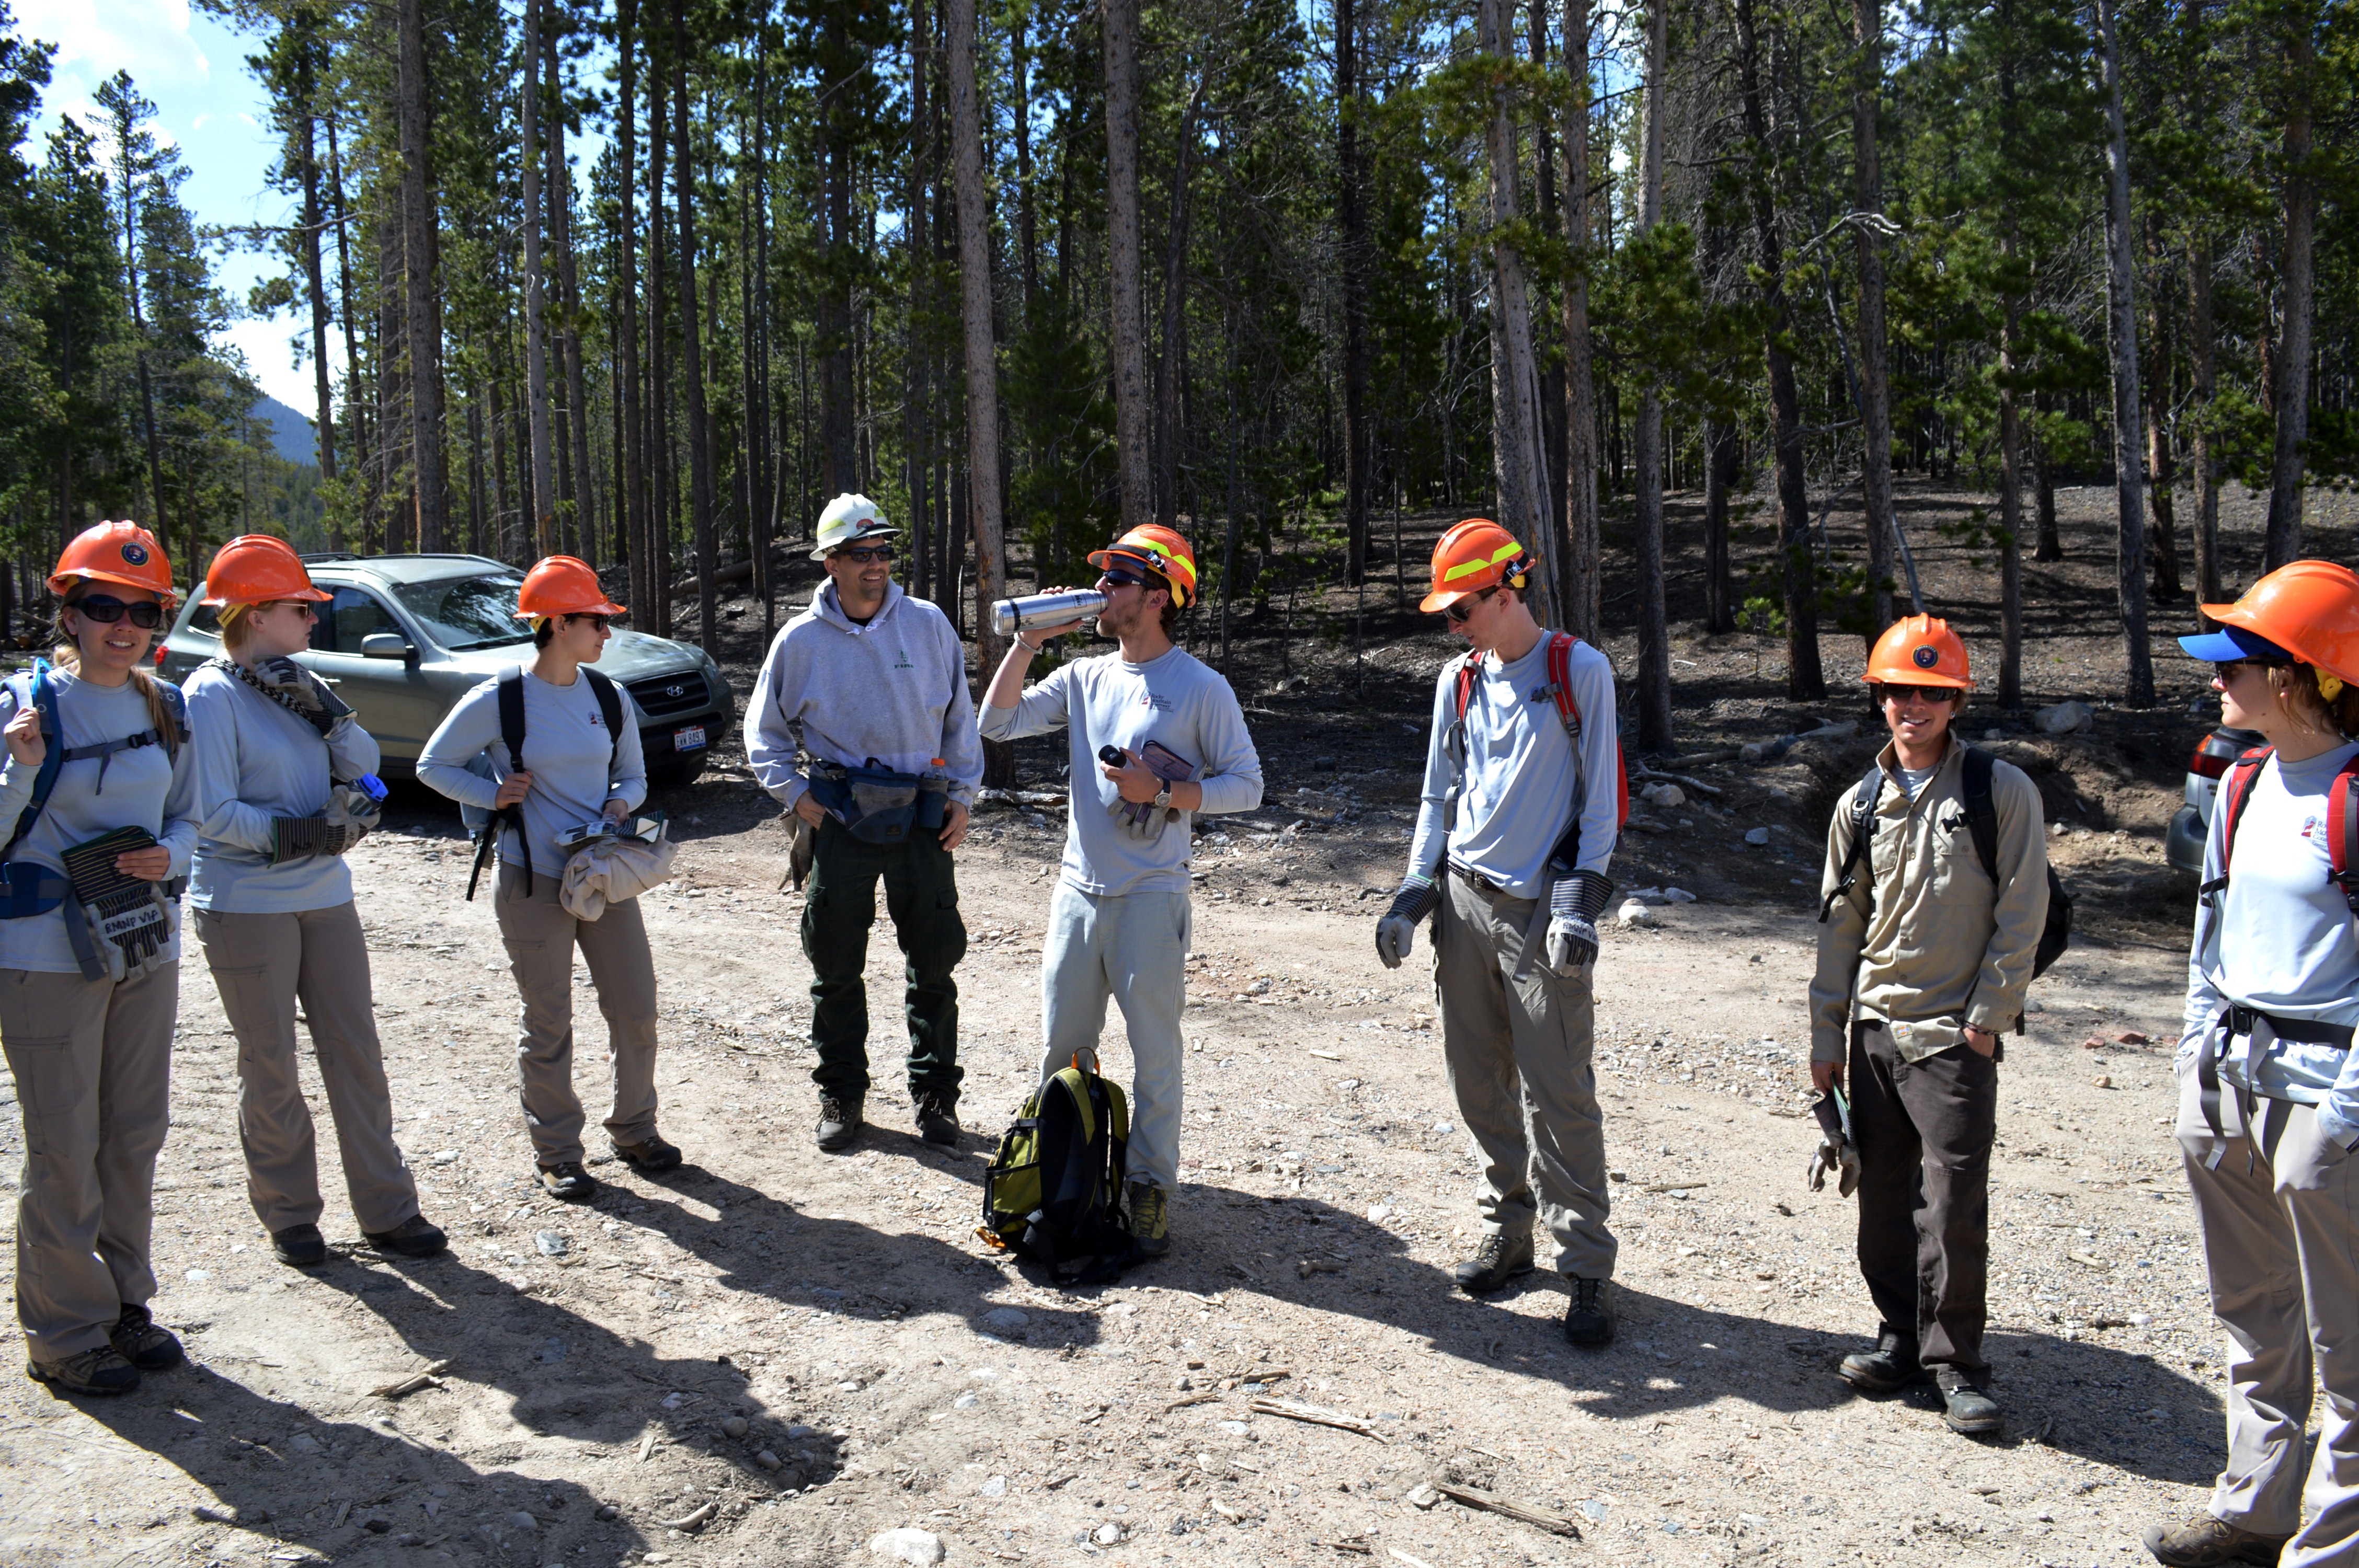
x,y
1840,1155
354,810
1574,905
296,837
301,691
1397,928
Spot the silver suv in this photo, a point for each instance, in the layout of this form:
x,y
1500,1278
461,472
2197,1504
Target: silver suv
x,y
407,636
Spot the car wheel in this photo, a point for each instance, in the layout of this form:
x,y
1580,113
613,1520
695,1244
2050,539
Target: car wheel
x,y
672,774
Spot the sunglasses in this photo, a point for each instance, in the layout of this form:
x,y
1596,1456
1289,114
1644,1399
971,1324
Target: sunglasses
x,y
600,622
2228,672
867,553
106,610
1937,695
1123,579
1459,610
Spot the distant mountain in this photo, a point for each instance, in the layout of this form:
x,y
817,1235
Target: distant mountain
x,y
290,434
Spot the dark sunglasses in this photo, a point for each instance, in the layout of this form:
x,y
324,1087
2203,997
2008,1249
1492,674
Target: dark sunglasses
x,y
868,553
2227,672
1937,695
1123,579
600,622
106,610
1458,610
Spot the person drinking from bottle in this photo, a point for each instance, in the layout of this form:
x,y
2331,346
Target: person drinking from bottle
x,y
99,799
288,777
1119,921
863,702
2268,1086
1520,812
577,764
1925,951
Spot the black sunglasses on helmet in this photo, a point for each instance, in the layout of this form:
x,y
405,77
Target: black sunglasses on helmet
x,y
106,610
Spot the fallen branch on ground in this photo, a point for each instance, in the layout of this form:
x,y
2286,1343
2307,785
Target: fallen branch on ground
x,y
1541,1518
1292,1411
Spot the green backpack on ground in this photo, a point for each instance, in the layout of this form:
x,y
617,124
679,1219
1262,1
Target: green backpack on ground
x,y
1054,1191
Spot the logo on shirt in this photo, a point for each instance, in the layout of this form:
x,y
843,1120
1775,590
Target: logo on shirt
x,y
901,659
1156,701
2309,827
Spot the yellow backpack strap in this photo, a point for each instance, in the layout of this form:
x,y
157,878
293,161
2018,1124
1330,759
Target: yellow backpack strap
x,y
1076,1080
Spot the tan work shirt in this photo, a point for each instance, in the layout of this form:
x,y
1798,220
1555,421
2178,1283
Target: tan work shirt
x,y
1934,946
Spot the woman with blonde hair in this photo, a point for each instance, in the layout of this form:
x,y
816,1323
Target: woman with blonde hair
x,y
574,764
288,776
2268,1090
100,801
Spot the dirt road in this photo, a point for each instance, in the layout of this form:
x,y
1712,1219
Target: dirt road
x,y
613,1376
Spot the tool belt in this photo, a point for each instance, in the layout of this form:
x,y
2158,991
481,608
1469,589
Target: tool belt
x,y
2236,1020
876,805
118,925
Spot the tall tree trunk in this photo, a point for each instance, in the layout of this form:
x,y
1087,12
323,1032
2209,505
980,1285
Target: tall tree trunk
x,y
355,403
917,404
314,281
981,356
2043,500
2162,533
1654,617
535,329
1026,221
632,502
1171,369
840,463
1581,592
2297,289
2130,565
1352,264
2010,486
1132,418
766,455
577,404
424,297
1805,677
1723,458
1515,386
691,341
662,480
1875,386
2202,352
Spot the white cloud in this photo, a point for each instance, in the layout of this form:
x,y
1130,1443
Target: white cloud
x,y
149,39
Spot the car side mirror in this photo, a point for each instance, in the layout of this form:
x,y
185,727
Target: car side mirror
x,y
386,645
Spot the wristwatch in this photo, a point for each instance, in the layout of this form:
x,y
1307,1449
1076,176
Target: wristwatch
x,y
1163,796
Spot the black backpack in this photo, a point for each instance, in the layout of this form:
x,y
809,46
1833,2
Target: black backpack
x,y
1054,1191
1982,822
487,835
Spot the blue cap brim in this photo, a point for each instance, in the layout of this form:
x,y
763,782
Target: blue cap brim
x,y
2229,644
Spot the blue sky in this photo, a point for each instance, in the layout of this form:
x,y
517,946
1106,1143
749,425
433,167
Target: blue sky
x,y
210,106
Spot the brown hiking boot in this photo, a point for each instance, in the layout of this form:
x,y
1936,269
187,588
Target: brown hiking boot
x,y
651,1154
2207,1541
137,1339
99,1371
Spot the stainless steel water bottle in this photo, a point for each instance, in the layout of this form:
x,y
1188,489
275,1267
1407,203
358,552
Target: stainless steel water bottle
x,y
1009,616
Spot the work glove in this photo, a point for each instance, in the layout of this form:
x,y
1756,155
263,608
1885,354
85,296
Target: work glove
x,y
1397,928
301,691
296,837
1574,905
1840,1155
354,809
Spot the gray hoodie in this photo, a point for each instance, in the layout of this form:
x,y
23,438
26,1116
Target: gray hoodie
x,y
895,689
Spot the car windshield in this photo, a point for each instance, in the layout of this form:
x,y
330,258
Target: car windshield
x,y
463,613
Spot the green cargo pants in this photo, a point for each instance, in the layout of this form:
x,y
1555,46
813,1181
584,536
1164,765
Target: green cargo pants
x,y
839,906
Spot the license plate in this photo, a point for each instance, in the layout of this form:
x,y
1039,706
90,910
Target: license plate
x,y
689,738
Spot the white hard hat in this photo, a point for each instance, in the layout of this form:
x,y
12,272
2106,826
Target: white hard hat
x,y
848,517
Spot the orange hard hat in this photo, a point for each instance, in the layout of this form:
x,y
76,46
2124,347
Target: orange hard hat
x,y
1473,556
1919,650
1159,550
2309,609
562,585
122,553
259,569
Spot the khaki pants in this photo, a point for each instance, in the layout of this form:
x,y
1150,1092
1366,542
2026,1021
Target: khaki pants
x,y
263,964
2278,1216
1517,1048
92,1061
540,937
1132,947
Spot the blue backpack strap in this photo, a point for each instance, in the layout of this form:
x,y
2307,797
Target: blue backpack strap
x,y
27,889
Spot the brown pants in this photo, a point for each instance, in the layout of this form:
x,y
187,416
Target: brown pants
x,y
94,1067
1517,1046
263,964
540,938
2278,1216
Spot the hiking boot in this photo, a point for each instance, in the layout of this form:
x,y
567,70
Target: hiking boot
x,y
839,1122
137,1340
567,1182
1150,1219
1589,1321
2206,1540
1965,1407
938,1119
298,1246
100,1372
1889,1367
1500,1259
651,1154
414,1238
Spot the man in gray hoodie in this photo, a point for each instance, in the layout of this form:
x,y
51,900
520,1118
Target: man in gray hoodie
x,y
869,677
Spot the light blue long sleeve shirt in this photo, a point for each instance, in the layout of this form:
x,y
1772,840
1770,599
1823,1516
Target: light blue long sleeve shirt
x,y
1106,700
1522,780
2282,943
576,768
256,761
143,788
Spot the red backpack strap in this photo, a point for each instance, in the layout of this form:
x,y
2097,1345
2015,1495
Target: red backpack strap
x,y
1468,674
1560,673
2236,794
2342,831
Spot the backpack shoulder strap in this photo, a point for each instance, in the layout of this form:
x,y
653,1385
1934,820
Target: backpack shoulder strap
x,y
1467,671
2235,792
1863,834
1981,812
2342,830
610,708
42,692
512,715
1560,674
